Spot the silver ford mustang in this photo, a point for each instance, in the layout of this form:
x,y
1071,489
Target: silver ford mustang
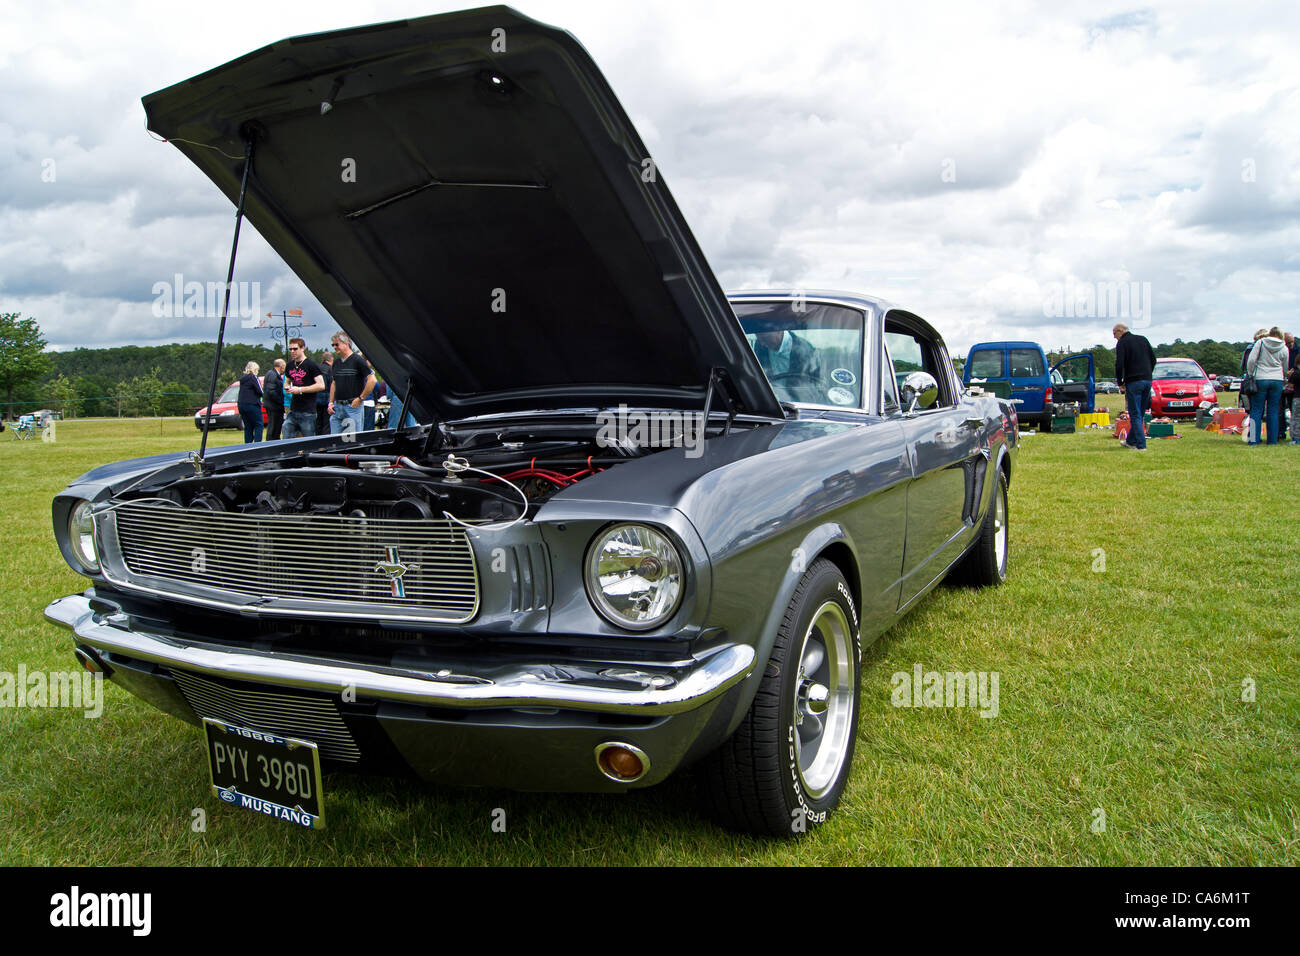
x,y
632,525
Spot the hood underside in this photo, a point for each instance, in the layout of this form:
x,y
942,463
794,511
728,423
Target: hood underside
x,y
475,209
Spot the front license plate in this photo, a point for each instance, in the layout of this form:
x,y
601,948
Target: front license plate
x,y
277,776
1179,404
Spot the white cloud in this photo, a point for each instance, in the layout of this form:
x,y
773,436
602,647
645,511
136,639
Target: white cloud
x,y
956,158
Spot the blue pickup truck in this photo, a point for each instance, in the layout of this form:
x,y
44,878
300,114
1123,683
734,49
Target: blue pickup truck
x,y
1018,370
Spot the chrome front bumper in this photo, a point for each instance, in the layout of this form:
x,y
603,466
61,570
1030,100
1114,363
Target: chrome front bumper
x,y
649,690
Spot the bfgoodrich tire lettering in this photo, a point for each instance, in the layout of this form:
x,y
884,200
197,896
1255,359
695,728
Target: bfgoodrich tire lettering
x,y
782,772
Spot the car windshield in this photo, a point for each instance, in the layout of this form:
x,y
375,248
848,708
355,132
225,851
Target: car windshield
x,y
811,353
1178,370
231,394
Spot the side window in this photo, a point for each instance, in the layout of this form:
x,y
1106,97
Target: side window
x,y
1026,363
913,354
1075,369
986,363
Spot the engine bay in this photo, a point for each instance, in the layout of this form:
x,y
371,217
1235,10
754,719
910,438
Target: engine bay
x,y
500,475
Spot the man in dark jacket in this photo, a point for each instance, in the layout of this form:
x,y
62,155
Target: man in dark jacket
x,y
1135,362
273,399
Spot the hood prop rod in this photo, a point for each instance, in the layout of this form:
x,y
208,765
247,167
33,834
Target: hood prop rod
x,y
406,405
718,377
225,309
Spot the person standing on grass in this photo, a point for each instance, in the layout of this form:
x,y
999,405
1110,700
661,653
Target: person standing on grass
x,y
1294,381
1243,400
250,403
1286,417
303,380
273,399
350,386
1267,362
1135,363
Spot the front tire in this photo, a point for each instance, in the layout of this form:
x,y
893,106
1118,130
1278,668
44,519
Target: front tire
x,y
782,772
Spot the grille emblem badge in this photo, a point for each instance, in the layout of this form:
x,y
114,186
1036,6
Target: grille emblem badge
x,y
394,569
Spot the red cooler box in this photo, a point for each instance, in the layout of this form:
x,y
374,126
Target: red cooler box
x,y
1229,417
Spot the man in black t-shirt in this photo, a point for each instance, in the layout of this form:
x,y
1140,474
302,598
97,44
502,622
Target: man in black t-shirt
x,y
303,379
350,387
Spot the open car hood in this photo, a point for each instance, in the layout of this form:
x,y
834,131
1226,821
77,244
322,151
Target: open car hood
x,y
484,223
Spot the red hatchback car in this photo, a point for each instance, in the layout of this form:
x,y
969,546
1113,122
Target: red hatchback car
x,y
226,408
1178,385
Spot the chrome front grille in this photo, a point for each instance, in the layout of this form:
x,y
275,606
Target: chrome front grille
x,y
345,566
286,714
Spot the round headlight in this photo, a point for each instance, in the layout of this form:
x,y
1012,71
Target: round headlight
x,y
81,535
634,576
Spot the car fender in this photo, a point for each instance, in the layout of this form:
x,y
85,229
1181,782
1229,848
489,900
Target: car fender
x,y
814,544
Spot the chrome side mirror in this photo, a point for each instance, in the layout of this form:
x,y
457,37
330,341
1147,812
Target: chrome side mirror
x,y
919,388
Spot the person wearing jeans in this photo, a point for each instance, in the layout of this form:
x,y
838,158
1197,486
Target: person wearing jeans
x,y
351,384
303,380
299,424
1137,396
1294,380
1264,407
1267,362
1135,363
345,418
250,403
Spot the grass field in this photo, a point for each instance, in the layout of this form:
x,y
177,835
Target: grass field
x,y
1144,590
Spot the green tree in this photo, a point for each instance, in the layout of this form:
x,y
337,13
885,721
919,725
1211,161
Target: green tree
x,y
1219,358
94,391
62,394
22,353
180,399
141,395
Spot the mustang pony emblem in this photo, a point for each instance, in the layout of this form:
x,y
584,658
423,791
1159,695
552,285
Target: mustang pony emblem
x,y
395,569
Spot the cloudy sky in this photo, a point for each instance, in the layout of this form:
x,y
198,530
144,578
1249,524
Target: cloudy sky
x,y
979,163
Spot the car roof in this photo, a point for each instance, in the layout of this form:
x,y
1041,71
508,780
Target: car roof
x,y
853,300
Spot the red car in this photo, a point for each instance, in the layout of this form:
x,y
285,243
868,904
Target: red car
x,y
226,409
1178,385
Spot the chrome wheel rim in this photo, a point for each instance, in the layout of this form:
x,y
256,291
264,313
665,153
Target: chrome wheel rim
x,y
1000,531
823,700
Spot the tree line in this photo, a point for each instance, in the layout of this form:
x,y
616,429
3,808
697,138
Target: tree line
x,y
1216,358
135,380
128,380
